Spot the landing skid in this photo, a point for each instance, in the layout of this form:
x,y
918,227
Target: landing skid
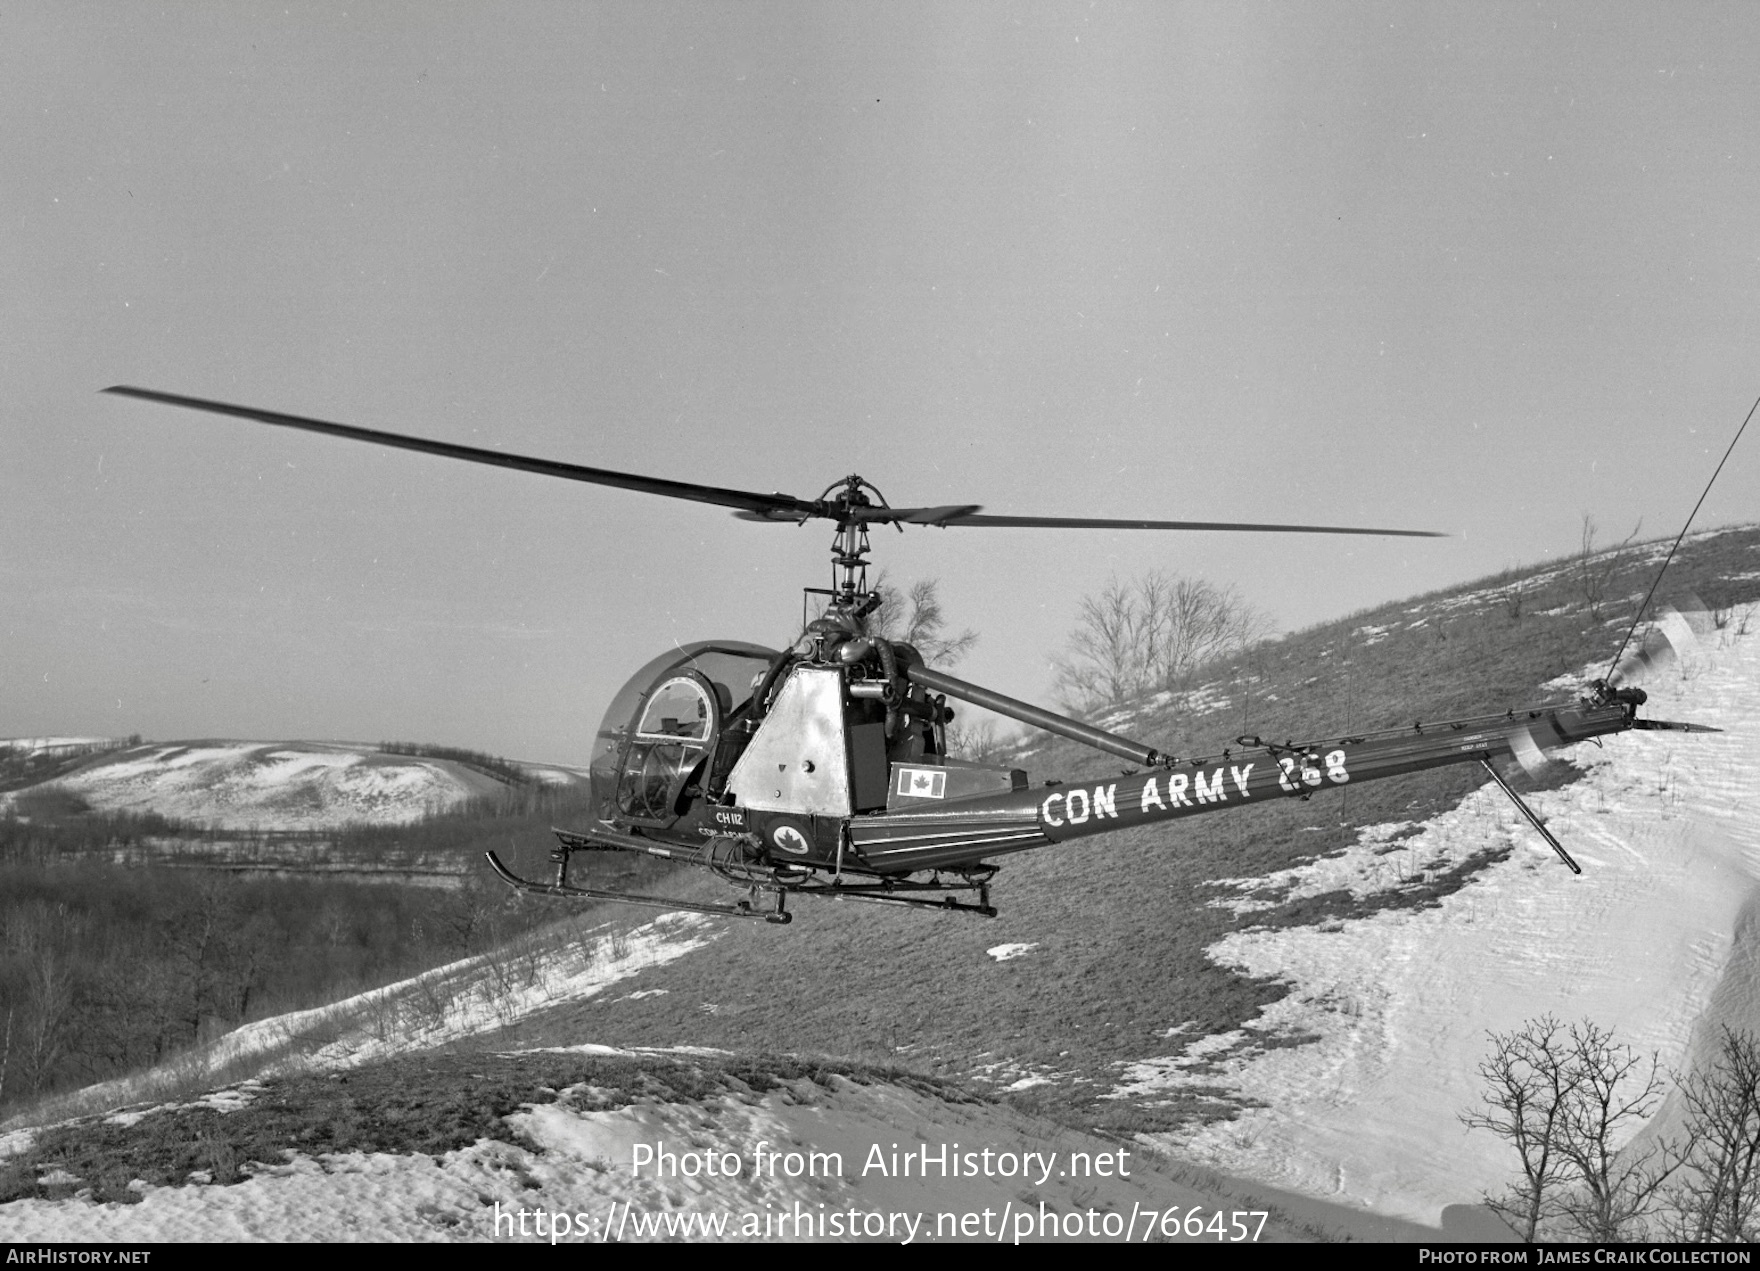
x,y
740,909
760,877
888,894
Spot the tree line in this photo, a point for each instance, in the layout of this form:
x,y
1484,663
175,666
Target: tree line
x,y
104,970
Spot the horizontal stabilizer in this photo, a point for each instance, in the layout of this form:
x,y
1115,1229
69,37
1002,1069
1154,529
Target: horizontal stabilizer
x,y
1673,726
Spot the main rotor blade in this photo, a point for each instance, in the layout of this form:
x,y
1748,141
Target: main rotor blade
x,y
967,514
946,515
766,505
870,514
749,504
1098,523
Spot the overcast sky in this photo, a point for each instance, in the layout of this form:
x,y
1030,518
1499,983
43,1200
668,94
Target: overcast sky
x,y
1474,268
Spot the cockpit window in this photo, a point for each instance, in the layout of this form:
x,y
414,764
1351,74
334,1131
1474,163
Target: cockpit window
x,y
678,710
737,672
661,703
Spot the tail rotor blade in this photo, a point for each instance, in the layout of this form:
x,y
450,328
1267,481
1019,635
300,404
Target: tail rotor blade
x,y
1692,616
1671,638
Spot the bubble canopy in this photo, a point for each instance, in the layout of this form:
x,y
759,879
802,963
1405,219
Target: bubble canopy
x,y
666,701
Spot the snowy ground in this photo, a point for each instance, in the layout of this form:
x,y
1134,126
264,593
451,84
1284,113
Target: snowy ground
x,y
766,1188
1659,939
445,1005
588,1182
1656,940
551,774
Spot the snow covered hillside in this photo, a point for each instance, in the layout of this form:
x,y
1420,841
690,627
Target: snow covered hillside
x,y
576,1176
1654,940
800,1151
239,785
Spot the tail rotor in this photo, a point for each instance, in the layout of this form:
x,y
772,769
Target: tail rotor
x,y
1672,637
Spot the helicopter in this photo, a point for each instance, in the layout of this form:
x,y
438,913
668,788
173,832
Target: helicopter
x,y
822,769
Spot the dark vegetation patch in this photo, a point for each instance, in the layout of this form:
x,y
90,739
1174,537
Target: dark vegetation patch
x,y
1424,889
1087,1106
105,970
515,819
427,1104
125,939
20,768
489,765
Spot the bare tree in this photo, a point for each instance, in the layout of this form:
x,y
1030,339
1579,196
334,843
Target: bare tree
x,y
1155,632
1204,622
220,954
44,939
6,1053
1106,660
980,742
49,988
1617,1185
915,617
1567,1100
1716,1194
1529,1082
1595,570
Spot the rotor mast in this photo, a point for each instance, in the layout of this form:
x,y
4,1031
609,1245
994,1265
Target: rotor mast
x,y
850,545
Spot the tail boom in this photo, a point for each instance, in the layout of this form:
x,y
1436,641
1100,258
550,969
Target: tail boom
x,y
1259,772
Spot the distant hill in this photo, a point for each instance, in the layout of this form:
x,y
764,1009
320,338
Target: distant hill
x,y
271,786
